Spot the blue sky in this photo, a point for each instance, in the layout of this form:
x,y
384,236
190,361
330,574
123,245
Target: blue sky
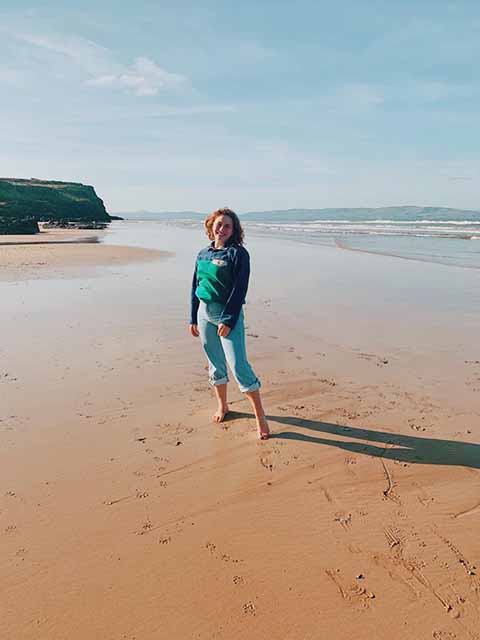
x,y
255,105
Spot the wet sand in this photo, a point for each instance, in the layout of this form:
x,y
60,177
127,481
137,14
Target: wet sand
x,y
125,513
61,253
52,236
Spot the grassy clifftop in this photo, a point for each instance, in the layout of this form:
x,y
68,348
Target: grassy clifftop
x,y
36,200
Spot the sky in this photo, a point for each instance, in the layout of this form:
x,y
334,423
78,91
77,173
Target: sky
x,y
255,105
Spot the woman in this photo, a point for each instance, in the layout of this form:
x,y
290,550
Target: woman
x,y
219,287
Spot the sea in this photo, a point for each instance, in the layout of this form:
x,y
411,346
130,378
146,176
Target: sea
x,y
429,234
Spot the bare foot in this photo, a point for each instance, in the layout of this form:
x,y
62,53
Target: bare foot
x,y
220,414
262,427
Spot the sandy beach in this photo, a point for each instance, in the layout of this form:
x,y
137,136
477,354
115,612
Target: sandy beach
x,y
126,514
58,253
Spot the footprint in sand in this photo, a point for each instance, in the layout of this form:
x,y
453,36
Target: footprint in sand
x,y
469,567
413,423
328,497
145,528
393,536
210,546
379,361
266,464
345,519
249,609
331,383
353,593
227,558
349,463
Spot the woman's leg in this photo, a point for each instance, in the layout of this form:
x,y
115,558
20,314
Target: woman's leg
x,y
217,365
221,396
262,424
236,354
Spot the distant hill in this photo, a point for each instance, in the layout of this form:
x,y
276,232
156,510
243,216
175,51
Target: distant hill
x,y
398,213
162,215
25,202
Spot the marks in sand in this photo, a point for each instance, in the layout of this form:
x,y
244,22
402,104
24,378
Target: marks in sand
x,y
350,462
469,567
424,580
392,534
372,357
249,609
266,464
468,512
138,495
225,557
354,592
389,492
345,519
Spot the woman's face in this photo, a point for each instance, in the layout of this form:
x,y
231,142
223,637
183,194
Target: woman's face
x,y
222,229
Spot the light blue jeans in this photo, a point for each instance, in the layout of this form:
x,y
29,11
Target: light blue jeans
x,y
220,351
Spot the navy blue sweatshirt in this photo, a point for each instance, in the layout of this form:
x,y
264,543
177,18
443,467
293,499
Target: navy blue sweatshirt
x,y
221,275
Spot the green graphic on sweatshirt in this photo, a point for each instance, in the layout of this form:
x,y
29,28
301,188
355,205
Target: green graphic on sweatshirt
x,y
215,280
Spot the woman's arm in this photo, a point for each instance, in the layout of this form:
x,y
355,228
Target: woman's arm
x,y
194,301
241,276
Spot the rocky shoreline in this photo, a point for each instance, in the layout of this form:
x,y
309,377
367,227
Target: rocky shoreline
x,y
64,205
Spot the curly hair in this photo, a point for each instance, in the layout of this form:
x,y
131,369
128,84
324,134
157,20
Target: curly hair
x,y
237,235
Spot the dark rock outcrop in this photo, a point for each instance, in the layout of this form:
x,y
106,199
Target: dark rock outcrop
x,y
48,200
16,226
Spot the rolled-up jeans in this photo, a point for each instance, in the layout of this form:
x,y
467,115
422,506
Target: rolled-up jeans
x,y
222,350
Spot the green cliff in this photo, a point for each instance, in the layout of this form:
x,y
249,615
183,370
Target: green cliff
x,y
25,202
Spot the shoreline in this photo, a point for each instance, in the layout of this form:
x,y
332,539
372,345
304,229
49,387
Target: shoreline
x,y
63,253
89,239
389,254
466,260
52,236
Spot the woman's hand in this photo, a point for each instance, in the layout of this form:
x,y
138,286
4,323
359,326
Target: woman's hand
x,y
223,330
194,330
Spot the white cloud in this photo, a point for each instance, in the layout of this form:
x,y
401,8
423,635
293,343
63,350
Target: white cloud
x,y
143,78
87,55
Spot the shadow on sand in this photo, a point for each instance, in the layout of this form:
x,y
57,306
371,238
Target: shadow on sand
x,y
404,448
